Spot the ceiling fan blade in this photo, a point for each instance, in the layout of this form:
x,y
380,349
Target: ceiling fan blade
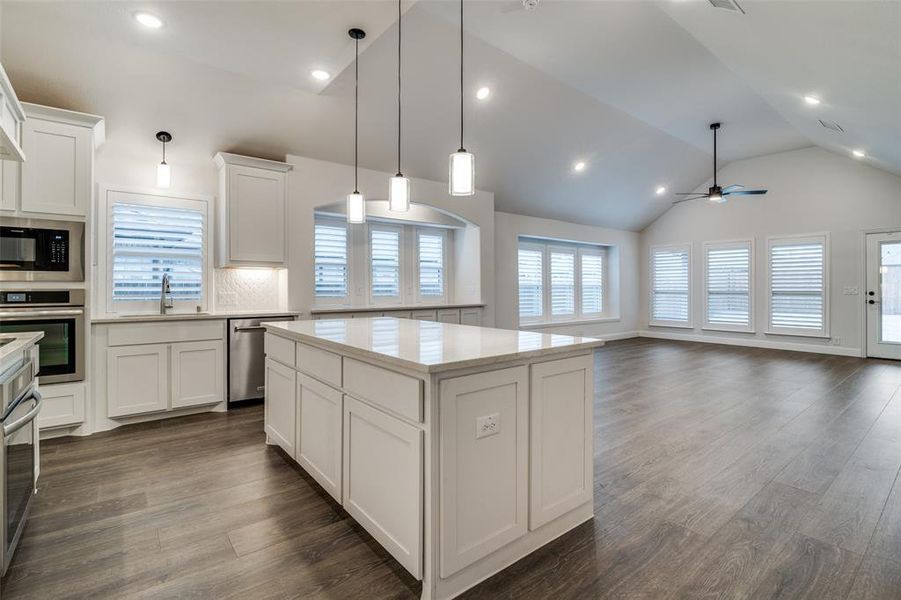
x,y
733,187
681,200
745,193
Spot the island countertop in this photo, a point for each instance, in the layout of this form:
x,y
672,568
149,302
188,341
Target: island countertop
x,y
427,346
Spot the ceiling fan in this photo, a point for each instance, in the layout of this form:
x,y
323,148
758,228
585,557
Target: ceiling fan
x,y
716,193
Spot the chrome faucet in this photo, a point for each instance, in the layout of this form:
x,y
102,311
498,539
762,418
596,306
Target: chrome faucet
x,y
165,290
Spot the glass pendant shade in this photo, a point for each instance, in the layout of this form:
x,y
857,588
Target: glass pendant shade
x,y
356,208
398,193
462,173
163,175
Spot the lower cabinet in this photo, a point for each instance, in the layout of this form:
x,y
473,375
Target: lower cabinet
x,y
471,316
280,415
383,480
137,379
63,405
319,414
449,316
198,373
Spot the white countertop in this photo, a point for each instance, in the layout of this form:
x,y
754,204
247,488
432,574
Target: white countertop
x,y
194,316
426,345
20,341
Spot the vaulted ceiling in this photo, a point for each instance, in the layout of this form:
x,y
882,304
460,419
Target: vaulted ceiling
x,y
628,87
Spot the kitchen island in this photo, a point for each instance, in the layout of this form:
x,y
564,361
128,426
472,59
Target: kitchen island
x,y
460,449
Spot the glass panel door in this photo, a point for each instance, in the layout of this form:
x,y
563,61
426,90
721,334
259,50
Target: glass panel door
x,y
890,286
883,295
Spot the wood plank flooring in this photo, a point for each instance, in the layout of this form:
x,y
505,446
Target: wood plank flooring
x,y
721,472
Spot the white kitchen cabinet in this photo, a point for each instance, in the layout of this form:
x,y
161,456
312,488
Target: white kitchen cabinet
x,y
425,315
471,316
198,375
63,405
280,413
137,379
58,176
484,464
449,316
12,116
9,185
251,211
562,442
319,415
383,480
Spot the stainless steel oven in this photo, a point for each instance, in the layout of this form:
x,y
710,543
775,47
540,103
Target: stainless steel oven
x,y
41,250
60,315
21,403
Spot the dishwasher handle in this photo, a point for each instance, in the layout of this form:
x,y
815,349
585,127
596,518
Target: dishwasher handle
x,y
239,329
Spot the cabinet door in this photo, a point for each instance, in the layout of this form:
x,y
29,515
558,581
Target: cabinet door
x,y
561,429
281,406
484,464
383,486
425,315
137,379
449,316
256,216
56,178
63,405
471,316
319,433
198,373
9,184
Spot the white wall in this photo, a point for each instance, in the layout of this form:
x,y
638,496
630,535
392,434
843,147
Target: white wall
x,y
623,282
810,191
315,183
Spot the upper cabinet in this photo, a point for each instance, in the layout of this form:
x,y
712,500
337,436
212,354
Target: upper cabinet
x,y
251,211
57,179
11,118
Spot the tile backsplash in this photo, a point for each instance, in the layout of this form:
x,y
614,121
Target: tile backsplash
x,y
249,289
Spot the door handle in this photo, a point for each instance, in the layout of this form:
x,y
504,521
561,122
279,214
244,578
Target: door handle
x,y
253,328
18,424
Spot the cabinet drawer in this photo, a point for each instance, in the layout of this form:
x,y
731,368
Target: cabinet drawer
x,y
63,405
165,333
321,364
279,348
396,393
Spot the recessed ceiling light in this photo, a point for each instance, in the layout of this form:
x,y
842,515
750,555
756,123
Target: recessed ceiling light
x,y
811,100
660,190
148,20
320,74
858,153
579,166
483,93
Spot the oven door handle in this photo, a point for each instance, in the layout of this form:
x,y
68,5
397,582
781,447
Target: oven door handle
x,y
18,424
25,314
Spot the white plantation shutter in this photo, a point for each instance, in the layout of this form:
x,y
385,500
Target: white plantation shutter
x,y
148,241
384,259
798,285
592,283
670,285
728,281
431,264
530,283
330,260
563,282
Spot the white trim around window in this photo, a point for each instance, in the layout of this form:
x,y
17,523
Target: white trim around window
x,y
670,288
328,268
798,285
729,286
386,244
429,277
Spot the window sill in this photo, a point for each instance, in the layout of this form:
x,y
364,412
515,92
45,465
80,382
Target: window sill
x,y
815,334
549,324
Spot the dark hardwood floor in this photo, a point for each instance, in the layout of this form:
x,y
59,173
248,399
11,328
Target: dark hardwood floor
x,y
721,472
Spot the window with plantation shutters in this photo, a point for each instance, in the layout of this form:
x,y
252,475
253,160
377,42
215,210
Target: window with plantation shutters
x,y
385,263
563,282
671,286
727,283
148,241
330,264
531,275
592,282
431,264
798,281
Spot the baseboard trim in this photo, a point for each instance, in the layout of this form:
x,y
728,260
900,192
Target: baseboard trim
x,y
753,343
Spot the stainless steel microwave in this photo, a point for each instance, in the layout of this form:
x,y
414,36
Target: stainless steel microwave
x,y
41,250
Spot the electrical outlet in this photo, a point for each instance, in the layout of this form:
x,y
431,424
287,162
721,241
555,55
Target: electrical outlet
x,y
488,425
836,341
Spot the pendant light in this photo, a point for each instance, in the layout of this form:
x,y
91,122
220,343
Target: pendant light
x,y
398,186
163,173
462,177
356,204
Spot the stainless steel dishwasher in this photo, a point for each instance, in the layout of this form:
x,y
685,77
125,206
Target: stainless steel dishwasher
x,y
246,360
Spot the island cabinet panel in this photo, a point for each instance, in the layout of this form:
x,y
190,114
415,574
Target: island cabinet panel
x,y
383,480
561,431
198,373
281,406
322,364
484,465
137,379
396,393
319,432
278,348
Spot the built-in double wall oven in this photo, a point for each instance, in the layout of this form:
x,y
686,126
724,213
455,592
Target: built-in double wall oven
x,y
59,314
41,250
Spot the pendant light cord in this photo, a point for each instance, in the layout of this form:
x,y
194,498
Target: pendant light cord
x,y
399,33
356,107
461,76
164,152
714,158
